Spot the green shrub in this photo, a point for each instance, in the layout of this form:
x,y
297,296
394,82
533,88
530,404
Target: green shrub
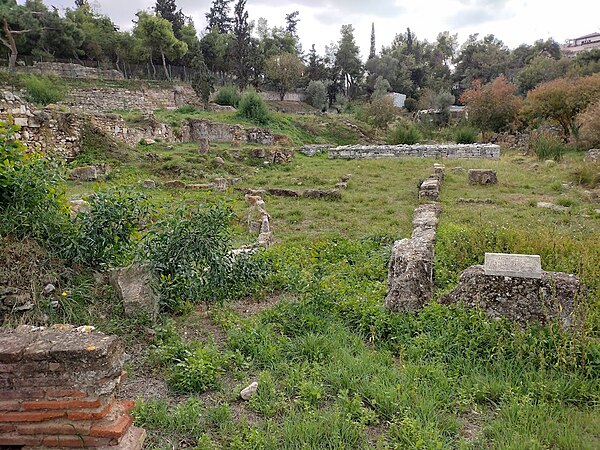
x,y
32,202
192,252
103,235
546,147
405,134
316,95
254,108
198,370
44,90
465,135
411,104
187,109
228,96
380,112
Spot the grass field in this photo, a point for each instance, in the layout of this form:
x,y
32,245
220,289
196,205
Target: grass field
x,y
335,370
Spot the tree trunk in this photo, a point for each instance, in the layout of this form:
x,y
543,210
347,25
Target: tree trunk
x,y
164,62
12,45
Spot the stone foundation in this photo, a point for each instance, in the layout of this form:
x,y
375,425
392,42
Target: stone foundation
x,y
441,151
522,300
57,390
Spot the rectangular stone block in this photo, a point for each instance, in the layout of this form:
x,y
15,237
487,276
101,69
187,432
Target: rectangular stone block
x,y
513,265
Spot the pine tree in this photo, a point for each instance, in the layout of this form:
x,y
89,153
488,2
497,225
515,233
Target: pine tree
x,y
218,16
291,23
167,9
373,51
241,45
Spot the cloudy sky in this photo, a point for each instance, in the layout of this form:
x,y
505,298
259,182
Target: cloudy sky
x,y
513,21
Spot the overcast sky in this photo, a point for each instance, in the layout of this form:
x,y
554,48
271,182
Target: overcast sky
x,y
512,21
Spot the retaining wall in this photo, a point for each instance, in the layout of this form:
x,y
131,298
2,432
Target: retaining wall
x,y
438,151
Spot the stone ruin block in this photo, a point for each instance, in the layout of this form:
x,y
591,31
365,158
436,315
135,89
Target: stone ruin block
x,y
482,177
430,189
523,300
135,287
203,145
331,194
57,390
410,277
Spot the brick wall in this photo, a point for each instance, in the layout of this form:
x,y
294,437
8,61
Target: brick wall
x,y
57,390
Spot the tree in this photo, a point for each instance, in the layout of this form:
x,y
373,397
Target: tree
x,y
316,94
99,33
216,50
348,60
561,101
381,88
218,16
155,34
241,43
539,70
202,81
493,106
15,22
286,70
167,9
481,59
291,23
80,3
373,51
316,68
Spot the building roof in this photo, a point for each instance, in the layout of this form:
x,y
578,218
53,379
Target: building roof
x,y
587,36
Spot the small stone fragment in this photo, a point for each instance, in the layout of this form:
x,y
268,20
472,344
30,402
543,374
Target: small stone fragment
x,y
49,289
249,392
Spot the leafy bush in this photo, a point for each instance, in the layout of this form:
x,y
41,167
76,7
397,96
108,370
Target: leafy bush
x,y
254,108
380,112
228,96
192,252
44,90
465,135
589,120
411,105
405,134
198,370
546,146
104,234
31,200
381,88
316,94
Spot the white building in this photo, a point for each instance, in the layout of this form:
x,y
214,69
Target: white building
x,y
581,44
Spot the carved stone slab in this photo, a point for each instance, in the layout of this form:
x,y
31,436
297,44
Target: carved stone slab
x,y
509,265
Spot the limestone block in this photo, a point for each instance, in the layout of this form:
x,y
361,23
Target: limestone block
x,y
523,300
482,177
135,287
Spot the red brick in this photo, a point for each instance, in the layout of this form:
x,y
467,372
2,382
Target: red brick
x,y
99,413
10,405
30,416
7,428
77,442
64,393
25,394
54,428
62,404
12,439
127,406
116,429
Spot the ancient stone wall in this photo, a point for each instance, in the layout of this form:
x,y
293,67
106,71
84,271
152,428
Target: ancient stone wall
x,y
57,389
106,99
410,276
438,151
194,130
66,70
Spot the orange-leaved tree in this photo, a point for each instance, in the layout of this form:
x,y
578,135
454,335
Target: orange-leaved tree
x,y
561,100
493,106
